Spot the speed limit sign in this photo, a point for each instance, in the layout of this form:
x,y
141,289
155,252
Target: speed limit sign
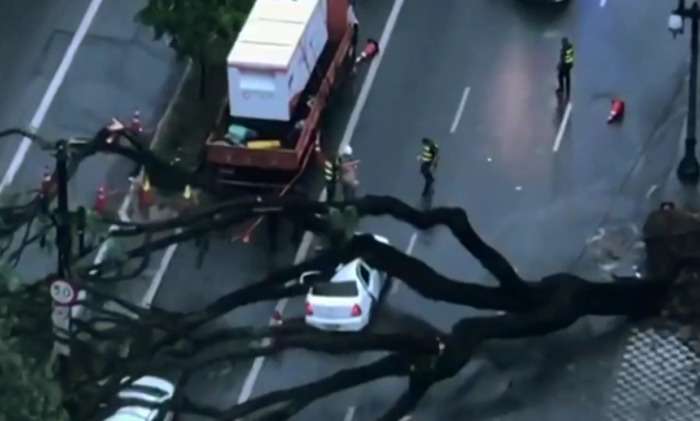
x,y
62,292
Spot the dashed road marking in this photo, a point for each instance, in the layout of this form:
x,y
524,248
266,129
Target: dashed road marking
x,y
350,414
562,127
460,109
46,101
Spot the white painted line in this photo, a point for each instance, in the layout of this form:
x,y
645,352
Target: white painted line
x,y
50,93
252,376
460,109
124,208
254,372
603,3
371,74
651,190
562,127
350,414
411,243
147,299
409,250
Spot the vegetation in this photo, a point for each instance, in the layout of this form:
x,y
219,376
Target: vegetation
x,y
202,30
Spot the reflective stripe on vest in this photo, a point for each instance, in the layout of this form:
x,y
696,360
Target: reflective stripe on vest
x,y
329,171
569,56
428,155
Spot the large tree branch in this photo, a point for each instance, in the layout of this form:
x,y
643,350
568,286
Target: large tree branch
x,y
457,221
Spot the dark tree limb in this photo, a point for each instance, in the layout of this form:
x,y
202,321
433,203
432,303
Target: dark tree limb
x,y
457,221
408,401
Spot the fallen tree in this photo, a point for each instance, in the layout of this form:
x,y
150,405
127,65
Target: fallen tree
x,y
122,339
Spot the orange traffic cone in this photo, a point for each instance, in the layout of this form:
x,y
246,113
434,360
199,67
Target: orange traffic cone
x,y
146,198
617,110
371,49
101,201
136,122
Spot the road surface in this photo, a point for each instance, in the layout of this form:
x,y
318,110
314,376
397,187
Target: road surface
x,y
70,85
537,176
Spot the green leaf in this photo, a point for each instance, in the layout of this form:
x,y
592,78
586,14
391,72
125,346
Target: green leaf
x,y
9,278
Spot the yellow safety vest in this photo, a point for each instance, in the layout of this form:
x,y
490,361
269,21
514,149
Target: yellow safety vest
x,y
330,171
569,56
428,154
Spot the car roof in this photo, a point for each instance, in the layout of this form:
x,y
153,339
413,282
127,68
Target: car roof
x,y
347,272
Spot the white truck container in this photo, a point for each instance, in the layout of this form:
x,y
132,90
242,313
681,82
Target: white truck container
x,y
274,56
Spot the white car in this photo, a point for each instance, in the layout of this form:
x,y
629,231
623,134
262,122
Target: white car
x,y
150,390
345,303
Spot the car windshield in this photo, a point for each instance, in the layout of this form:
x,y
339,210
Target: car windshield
x,y
336,289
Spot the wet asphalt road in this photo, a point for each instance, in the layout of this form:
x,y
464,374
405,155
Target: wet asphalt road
x,y
537,206
116,69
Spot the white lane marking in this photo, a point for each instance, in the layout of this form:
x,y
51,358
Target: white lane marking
x,y
562,127
651,190
411,243
123,211
603,3
460,109
371,74
350,414
50,93
252,376
254,372
147,299
409,250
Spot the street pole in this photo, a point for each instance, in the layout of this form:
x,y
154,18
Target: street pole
x,y
63,230
689,169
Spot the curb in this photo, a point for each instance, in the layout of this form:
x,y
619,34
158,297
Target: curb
x,y
126,210
171,104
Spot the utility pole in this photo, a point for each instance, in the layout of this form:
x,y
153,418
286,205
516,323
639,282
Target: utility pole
x,y
688,169
63,230
62,290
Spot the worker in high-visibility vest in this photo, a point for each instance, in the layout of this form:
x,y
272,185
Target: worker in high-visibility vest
x,y
428,162
566,63
348,173
331,173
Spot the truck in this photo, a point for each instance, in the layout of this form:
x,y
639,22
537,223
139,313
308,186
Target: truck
x,y
290,55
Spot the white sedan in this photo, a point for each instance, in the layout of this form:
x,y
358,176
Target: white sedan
x,y
152,391
345,303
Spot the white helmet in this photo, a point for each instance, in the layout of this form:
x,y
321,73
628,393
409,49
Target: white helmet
x,y
347,150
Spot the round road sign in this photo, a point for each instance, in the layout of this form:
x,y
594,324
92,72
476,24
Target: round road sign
x,y
62,292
